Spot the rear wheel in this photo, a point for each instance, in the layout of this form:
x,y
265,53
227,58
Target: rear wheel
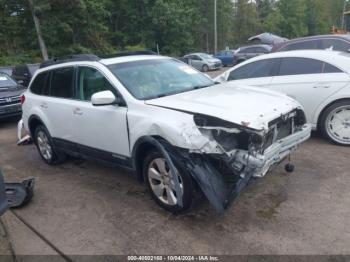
x,y
158,179
335,123
45,146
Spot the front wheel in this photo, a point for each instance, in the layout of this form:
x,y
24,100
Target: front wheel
x,y
205,68
335,123
159,182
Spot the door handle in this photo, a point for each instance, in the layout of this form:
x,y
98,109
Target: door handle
x,y
43,105
77,111
321,86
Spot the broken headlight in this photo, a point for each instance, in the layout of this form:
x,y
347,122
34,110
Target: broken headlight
x,y
228,135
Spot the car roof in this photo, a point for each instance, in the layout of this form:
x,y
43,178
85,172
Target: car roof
x,y
339,59
316,37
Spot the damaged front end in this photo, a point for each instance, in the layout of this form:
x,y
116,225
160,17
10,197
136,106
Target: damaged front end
x,y
226,155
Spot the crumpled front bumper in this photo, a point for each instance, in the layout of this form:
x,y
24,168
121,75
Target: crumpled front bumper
x,y
221,189
276,152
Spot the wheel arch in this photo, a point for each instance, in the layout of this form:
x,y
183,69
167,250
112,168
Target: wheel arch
x,y
141,147
319,116
33,122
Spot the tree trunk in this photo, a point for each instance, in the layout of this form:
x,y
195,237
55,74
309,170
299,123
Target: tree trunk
x,y
38,31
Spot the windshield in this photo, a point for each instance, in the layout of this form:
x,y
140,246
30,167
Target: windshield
x,y
205,56
6,81
154,78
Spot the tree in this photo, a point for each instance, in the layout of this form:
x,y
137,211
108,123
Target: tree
x,y
38,30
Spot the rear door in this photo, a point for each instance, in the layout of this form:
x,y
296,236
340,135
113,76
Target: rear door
x,y
99,130
258,73
58,105
309,81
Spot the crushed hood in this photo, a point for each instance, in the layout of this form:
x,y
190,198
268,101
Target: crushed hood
x,y
232,103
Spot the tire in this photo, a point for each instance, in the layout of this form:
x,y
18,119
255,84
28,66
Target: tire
x,y
205,68
46,148
335,123
157,181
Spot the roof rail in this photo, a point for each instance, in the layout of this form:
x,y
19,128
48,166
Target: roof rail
x,y
90,57
69,58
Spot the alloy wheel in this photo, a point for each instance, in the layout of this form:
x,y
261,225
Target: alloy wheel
x,y
161,182
338,124
44,145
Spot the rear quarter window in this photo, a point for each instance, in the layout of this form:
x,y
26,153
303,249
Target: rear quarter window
x,y
328,68
39,85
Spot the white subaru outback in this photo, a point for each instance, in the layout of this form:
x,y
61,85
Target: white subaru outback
x,y
173,126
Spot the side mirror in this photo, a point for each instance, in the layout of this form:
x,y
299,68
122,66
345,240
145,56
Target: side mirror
x,y
103,98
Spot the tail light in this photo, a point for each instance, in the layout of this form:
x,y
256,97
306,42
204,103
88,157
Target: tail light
x,y
23,98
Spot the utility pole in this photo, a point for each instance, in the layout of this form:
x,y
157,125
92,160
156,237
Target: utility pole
x,y
215,29
343,16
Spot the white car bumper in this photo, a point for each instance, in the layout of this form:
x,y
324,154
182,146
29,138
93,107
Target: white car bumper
x,y
276,152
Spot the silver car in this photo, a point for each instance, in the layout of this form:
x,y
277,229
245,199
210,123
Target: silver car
x,y
203,62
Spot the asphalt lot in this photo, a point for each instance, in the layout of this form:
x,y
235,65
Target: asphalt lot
x,y
84,207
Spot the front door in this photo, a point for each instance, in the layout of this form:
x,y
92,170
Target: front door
x,y
99,130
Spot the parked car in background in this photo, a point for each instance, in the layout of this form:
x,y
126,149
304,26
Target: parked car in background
x,y
332,42
318,79
23,73
227,57
170,124
203,62
10,97
6,70
246,52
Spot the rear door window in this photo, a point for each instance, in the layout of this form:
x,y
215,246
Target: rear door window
x,y
300,66
62,82
262,68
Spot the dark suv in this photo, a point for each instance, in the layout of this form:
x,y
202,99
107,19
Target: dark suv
x,y
333,42
245,52
23,73
10,97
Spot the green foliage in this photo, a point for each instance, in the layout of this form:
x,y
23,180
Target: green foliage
x,y
176,26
